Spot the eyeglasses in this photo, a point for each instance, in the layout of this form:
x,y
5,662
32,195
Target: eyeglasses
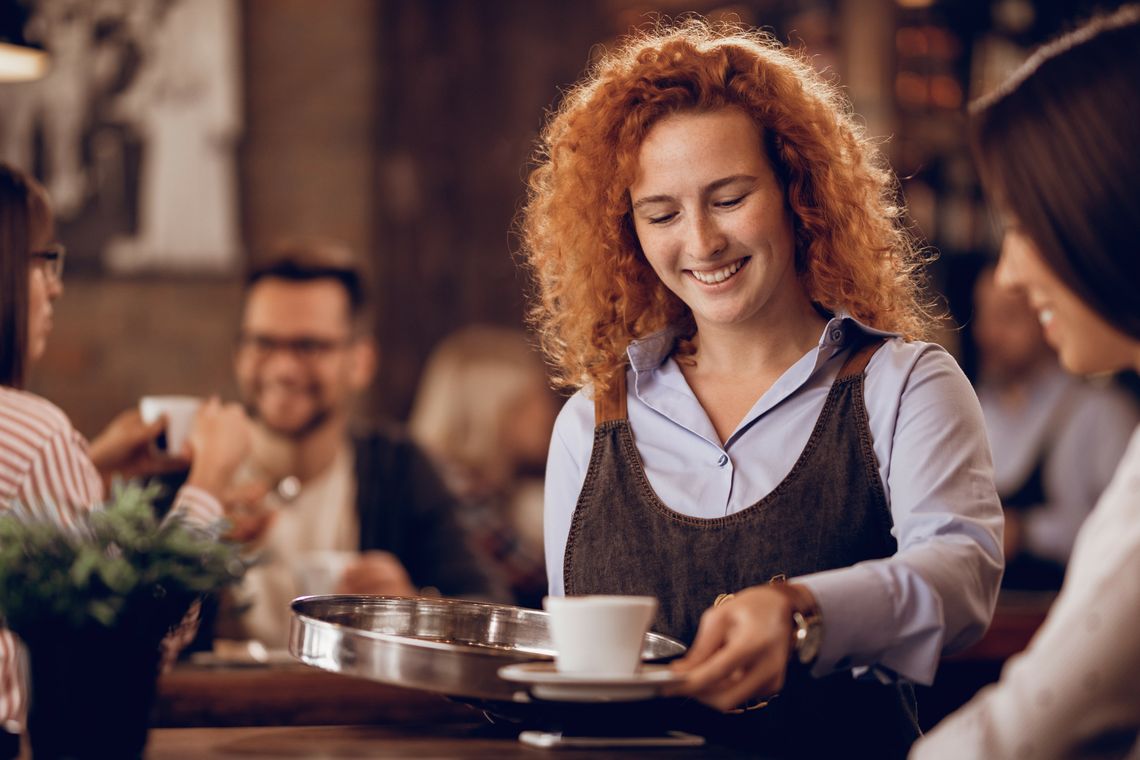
x,y
51,259
306,348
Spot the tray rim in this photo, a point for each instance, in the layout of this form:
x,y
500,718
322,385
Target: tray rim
x,y
411,641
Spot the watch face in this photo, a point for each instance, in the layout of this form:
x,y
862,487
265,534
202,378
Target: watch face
x,y
808,636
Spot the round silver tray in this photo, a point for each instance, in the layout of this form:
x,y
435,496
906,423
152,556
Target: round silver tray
x,y
449,646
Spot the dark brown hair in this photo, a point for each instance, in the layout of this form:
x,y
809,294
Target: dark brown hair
x,y
23,206
1056,147
306,259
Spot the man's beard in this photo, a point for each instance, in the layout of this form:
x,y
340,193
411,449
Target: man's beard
x,y
314,422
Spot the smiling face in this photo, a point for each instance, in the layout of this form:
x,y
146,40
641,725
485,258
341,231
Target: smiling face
x,y
1085,342
713,221
299,365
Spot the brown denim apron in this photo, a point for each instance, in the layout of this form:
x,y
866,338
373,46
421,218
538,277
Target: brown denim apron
x,y
829,512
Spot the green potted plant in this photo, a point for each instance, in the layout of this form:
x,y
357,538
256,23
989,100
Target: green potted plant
x,y
93,602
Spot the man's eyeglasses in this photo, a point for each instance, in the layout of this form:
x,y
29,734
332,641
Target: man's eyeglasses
x,y
307,348
51,259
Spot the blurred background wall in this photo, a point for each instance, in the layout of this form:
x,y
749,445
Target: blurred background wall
x,y
403,127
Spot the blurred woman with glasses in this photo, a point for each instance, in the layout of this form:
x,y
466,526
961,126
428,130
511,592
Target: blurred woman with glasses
x,y
45,464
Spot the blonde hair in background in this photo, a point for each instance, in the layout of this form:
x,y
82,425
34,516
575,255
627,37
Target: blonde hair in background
x,y
473,381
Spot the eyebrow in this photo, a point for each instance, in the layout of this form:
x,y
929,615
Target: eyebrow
x,y
711,187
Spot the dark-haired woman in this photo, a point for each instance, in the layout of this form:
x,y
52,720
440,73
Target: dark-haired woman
x,y
45,464
1057,149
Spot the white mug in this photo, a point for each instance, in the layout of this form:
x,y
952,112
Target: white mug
x,y
179,411
599,635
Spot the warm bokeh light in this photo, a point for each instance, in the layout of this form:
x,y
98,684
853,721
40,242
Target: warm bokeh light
x,y
21,64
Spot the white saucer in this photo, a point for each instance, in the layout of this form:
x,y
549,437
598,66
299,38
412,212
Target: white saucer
x,y
546,682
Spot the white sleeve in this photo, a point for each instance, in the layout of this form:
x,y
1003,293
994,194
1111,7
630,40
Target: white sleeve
x,y
1074,692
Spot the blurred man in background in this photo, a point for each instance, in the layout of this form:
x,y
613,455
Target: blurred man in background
x,y
362,510
1056,438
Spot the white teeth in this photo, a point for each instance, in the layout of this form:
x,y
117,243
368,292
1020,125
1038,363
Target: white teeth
x,y
720,275
1045,316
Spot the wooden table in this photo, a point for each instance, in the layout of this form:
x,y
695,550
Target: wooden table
x,y
1016,619
290,695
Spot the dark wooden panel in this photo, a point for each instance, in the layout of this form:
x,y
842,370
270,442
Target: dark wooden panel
x,y
463,90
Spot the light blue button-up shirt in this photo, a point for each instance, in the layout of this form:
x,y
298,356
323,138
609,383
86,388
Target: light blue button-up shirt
x,y
896,615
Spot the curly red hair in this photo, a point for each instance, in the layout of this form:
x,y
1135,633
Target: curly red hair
x,y
595,290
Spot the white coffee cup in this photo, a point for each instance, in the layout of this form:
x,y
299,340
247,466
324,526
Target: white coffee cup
x,y
320,571
599,635
179,412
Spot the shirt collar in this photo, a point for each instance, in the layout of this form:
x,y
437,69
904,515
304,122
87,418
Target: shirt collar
x,y
648,353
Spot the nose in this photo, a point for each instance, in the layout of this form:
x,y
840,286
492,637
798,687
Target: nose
x,y
1007,273
54,287
281,364
706,239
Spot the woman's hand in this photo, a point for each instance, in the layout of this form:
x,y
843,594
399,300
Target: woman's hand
x,y
219,442
125,448
376,572
742,648
249,517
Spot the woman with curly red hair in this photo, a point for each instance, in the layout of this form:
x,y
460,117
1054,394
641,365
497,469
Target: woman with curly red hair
x,y
723,275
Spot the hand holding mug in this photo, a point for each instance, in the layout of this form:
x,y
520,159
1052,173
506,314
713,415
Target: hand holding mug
x,y
126,448
219,441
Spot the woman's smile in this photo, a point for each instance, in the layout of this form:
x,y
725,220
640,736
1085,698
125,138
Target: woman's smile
x,y
718,276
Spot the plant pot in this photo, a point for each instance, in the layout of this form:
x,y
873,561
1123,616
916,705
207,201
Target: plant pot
x,y
92,691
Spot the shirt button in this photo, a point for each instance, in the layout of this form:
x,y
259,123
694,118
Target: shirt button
x,y
722,461
836,335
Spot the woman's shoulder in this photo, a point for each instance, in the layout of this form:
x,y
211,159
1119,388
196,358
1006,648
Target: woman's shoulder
x,y
30,416
574,427
898,350
904,361
577,411
909,377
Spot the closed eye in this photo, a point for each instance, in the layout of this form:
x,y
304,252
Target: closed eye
x,y
730,202
661,218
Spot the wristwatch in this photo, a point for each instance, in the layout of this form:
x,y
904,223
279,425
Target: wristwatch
x,y
807,622
807,635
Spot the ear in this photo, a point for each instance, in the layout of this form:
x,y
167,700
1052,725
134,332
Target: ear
x,y
364,360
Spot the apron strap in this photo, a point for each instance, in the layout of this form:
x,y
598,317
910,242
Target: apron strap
x,y
611,406
860,356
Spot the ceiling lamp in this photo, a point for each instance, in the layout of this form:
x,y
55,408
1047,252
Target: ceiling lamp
x,y
20,60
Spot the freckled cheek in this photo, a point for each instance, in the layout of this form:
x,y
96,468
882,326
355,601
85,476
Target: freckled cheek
x,y
765,224
658,253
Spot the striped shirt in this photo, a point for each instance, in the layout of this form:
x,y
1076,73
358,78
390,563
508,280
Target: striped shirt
x,y
44,466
